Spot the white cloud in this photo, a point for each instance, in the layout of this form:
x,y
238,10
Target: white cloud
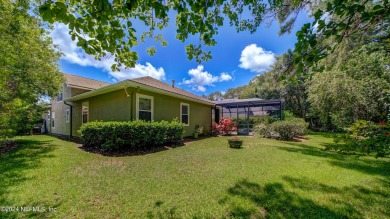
x,y
225,77
76,55
139,71
199,78
256,59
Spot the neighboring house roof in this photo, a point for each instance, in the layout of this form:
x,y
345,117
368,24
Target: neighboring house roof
x,y
145,83
83,83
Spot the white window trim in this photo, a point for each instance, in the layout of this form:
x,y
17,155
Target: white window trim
x,y
181,113
62,91
137,104
82,105
53,119
67,117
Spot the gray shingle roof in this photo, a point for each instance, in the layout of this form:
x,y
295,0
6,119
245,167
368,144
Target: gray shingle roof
x,y
149,81
84,83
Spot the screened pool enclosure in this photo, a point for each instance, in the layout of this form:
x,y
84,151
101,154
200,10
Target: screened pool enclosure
x,y
245,112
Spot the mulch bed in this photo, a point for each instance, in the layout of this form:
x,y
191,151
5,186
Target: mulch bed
x,y
8,146
132,152
300,139
128,152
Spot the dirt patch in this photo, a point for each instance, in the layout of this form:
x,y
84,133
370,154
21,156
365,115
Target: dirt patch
x,y
300,139
132,152
8,146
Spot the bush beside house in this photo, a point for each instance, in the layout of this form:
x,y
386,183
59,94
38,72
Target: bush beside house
x,y
133,135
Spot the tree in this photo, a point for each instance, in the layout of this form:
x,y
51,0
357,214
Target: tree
x,y
235,93
356,79
216,96
28,67
269,85
355,83
354,91
335,22
106,27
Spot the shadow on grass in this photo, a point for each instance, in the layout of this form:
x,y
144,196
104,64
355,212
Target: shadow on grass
x,y
275,200
378,166
323,134
13,167
161,212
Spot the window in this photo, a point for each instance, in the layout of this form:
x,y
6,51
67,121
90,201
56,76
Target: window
x,y
67,116
85,112
185,113
53,116
144,107
60,96
48,115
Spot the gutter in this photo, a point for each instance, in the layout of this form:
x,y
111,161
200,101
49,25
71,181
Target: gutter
x,y
129,83
70,117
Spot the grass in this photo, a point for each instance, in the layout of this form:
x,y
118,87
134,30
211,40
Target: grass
x,y
204,179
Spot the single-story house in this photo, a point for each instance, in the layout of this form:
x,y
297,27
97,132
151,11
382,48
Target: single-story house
x,y
82,100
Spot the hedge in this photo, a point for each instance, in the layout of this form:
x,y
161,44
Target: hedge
x,y
111,136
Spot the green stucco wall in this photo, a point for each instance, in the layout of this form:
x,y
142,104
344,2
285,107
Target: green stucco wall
x,y
116,106
113,106
167,108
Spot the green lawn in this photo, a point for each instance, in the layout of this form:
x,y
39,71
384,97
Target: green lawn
x,y
204,179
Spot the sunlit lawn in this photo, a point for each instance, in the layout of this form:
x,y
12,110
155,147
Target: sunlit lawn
x,y
204,179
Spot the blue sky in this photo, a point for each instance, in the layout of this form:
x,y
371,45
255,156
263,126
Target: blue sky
x,y
237,58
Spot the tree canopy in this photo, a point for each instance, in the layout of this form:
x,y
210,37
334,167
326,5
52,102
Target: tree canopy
x,y
104,27
28,66
354,84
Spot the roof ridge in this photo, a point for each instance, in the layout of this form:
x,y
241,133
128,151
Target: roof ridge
x,y
86,78
175,89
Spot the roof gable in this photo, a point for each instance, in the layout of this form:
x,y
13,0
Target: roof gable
x,y
151,82
83,83
147,83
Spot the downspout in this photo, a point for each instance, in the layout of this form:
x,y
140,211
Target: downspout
x,y
70,118
131,102
131,105
211,117
50,118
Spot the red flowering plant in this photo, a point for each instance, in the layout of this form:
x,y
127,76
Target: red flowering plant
x,y
214,129
225,127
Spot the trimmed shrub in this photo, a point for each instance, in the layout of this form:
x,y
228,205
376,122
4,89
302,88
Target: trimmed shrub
x,y
263,130
288,129
112,136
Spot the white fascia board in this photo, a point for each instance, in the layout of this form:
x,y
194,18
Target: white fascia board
x,y
127,83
